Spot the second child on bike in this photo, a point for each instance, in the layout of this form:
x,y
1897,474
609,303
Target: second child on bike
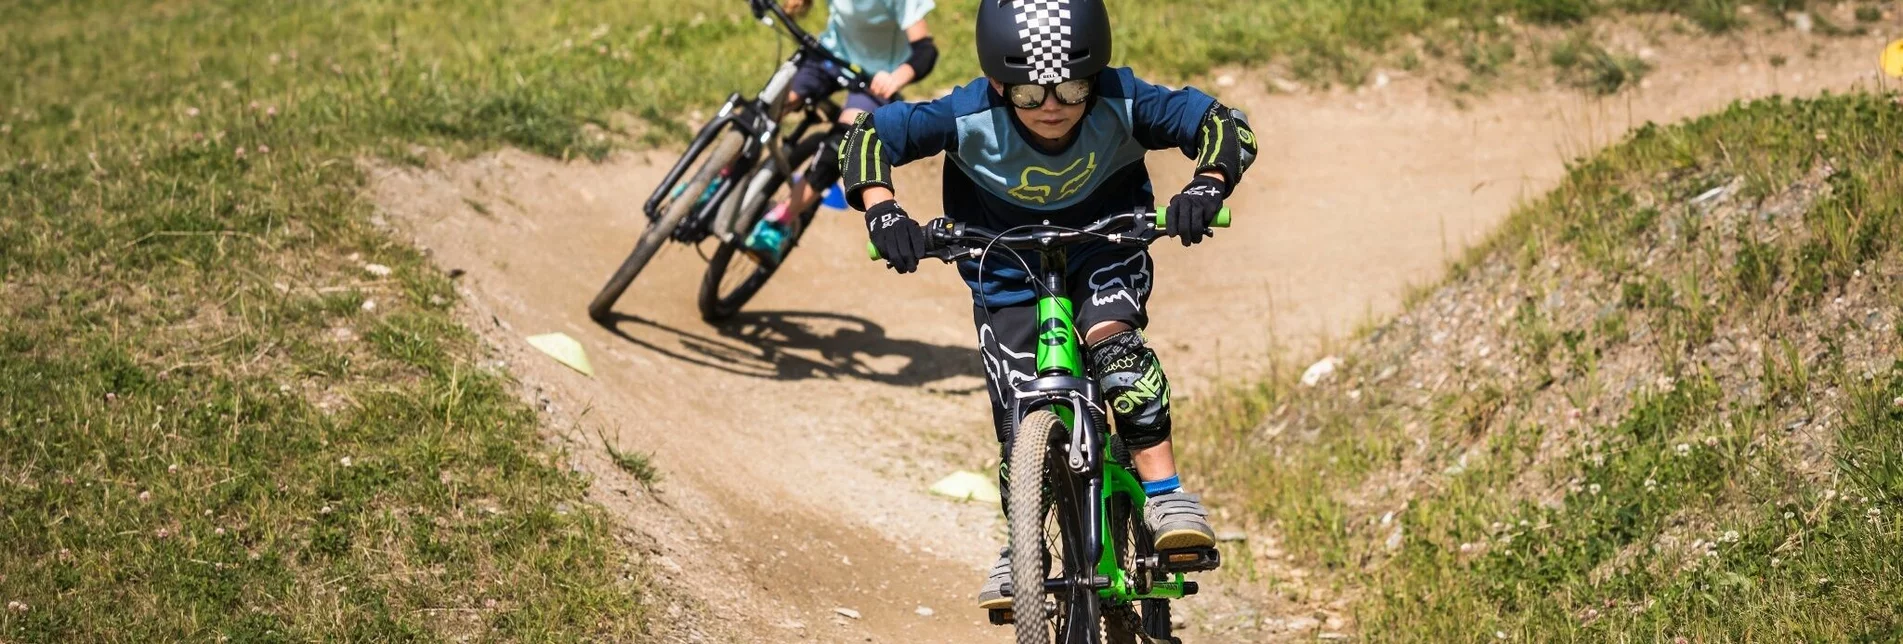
x,y
1053,134
886,38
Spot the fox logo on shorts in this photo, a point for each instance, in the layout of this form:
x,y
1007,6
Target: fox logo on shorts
x,y
1127,280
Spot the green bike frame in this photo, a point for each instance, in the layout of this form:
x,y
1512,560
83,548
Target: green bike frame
x,y
1060,352
1065,387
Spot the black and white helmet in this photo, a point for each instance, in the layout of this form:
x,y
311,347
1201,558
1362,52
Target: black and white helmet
x,y
1042,41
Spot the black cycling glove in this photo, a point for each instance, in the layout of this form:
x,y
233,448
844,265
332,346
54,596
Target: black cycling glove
x,y
1194,209
896,236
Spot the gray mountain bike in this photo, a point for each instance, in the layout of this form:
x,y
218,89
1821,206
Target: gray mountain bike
x,y
731,175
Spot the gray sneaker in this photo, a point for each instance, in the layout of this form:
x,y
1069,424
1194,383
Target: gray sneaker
x,y
1179,520
991,597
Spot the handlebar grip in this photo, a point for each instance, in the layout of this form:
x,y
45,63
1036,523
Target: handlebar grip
x,y
1222,217
872,252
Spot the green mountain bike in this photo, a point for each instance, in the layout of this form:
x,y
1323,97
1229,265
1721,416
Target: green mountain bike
x,y
1079,544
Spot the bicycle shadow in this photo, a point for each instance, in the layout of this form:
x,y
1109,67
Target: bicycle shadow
x,y
798,345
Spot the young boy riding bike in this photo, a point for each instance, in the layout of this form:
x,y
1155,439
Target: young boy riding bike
x,y
887,38
1053,134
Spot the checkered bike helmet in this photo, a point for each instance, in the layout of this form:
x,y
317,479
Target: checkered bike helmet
x,y
1042,41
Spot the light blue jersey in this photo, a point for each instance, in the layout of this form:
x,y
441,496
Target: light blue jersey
x,y
871,33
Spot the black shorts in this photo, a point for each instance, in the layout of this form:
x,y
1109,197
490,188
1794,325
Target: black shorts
x,y
1110,285
818,79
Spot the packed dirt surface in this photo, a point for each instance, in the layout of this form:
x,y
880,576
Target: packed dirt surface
x,y
797,442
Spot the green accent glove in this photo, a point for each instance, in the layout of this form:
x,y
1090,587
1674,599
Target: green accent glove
x,y
1195,208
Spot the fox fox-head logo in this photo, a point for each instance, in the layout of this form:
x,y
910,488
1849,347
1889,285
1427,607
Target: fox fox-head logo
x,y
1043,185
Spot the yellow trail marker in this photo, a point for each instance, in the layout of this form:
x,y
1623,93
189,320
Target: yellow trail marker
x,y
967,486
563,349
1893,59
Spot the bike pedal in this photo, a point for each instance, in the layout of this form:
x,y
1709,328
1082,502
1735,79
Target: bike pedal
x,y
1002,616
1190,559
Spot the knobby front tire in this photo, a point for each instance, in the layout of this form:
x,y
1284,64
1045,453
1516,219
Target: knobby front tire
x,y
1042,513
718,158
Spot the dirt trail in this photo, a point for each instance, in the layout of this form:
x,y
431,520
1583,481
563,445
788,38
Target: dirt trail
x,y
797,442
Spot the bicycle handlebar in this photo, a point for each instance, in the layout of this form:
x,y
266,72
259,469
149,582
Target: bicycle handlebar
x,y
806,40
945,238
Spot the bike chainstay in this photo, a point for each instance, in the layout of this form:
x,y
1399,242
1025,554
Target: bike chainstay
x,y
1133,623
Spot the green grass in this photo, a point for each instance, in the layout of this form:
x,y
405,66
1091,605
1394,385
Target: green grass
x,y
205,433
1703,493
636,464
1588,66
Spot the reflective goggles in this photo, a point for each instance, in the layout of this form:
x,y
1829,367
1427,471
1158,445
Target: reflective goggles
x,y
1030,97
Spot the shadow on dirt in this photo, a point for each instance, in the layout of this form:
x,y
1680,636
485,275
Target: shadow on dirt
x,y
797,345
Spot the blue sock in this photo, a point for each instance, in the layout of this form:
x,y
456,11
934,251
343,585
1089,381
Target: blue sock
x,y
1165,486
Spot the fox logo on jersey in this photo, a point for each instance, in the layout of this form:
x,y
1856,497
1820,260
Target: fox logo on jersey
x,y
1043,185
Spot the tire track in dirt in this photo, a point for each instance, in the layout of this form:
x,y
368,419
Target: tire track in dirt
x,y
798,441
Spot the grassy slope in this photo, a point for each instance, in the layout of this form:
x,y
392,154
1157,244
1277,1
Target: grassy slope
x,y
203,430
183,333
1635,413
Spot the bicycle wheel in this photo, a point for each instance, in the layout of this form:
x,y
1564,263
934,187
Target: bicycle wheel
x,y
722,153
1042,529
733,276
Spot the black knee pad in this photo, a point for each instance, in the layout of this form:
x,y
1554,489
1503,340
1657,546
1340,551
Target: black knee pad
x,y
825,168
1134,385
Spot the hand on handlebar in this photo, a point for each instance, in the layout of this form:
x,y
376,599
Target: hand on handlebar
x,y
885,84
796,8
895,235
1194,209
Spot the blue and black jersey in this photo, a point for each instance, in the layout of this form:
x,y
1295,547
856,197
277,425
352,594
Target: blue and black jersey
x,y
998,179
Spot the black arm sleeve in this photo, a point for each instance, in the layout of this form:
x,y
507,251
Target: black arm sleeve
x,y
862,161
924,57
1225,144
